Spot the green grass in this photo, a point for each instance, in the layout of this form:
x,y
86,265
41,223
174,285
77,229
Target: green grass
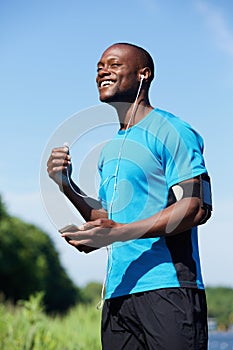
x,y
27,327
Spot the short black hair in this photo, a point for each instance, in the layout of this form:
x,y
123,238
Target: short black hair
x,y
147,60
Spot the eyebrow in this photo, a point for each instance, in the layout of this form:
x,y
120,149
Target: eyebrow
x,y
109,59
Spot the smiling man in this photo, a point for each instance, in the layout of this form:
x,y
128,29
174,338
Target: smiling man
x,y
154,192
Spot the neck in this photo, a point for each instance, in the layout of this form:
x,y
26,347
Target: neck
x,y
130,114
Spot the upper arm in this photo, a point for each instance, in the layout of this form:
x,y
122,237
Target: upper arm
x,y
180,149
198,191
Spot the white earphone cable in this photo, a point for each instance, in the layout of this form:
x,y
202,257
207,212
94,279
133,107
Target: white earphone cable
x,y
134,109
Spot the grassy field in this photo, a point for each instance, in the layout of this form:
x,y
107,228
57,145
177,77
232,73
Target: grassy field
x,y
27,327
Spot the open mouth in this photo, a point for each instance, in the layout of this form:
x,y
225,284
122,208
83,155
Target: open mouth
x,y
106,83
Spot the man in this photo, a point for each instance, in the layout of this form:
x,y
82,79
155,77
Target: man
x,y
154,191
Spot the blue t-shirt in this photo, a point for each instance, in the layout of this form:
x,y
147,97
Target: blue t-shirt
x,y
142,163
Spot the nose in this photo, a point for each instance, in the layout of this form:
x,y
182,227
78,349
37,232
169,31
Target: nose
x,y
103,71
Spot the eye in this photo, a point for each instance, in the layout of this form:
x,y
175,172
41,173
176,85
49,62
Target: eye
x,y
114,65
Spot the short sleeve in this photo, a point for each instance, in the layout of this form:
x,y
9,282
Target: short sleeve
x,y
180,149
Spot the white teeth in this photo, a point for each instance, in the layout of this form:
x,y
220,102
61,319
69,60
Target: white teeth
x,y
106,83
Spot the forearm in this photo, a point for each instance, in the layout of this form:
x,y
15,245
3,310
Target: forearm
x,y
89,208
177,218
59,169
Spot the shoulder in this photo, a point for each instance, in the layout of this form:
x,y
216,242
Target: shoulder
x,y
172,127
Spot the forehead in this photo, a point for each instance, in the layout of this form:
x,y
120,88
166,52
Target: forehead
x,y
123,52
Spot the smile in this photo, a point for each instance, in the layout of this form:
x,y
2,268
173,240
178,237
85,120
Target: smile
x,y
106,83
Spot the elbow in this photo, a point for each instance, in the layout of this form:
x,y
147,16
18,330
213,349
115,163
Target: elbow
x,y
197,213
203,215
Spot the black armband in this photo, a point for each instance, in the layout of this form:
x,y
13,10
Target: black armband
x,y
206,197
189,189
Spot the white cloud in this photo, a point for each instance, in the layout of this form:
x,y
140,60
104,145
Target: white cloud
x,y
217,23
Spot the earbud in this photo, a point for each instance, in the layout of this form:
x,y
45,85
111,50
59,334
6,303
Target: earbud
x,y
142,76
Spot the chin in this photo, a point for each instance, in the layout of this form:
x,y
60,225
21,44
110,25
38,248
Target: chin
x,y
114,98
106,98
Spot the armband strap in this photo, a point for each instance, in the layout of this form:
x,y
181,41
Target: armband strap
x,y
189,189
183,190
206,197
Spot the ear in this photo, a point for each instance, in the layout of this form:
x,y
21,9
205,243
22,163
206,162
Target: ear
x,y
146,73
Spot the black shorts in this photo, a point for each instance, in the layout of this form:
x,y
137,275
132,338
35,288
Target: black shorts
x,y
168,319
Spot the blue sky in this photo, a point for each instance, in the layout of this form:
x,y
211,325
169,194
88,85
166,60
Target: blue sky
x,y
49,51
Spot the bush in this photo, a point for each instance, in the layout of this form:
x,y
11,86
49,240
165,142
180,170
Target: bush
x,y
27,327
29,263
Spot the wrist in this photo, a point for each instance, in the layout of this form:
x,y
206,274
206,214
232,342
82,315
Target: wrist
x,y
127,232
64,187
138,230
65,184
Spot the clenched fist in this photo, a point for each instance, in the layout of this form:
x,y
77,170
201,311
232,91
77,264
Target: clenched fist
x,y
59,166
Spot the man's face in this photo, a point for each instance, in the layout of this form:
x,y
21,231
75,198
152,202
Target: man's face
x,y
117,77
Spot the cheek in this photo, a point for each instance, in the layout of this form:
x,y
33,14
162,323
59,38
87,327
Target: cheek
x,y
129,81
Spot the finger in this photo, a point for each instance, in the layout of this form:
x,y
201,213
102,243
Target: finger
x,y
55,165
84,243
60,155
80,246
60,161
82,237
75,236
87,226
56,170
103,222
61,149
75,244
